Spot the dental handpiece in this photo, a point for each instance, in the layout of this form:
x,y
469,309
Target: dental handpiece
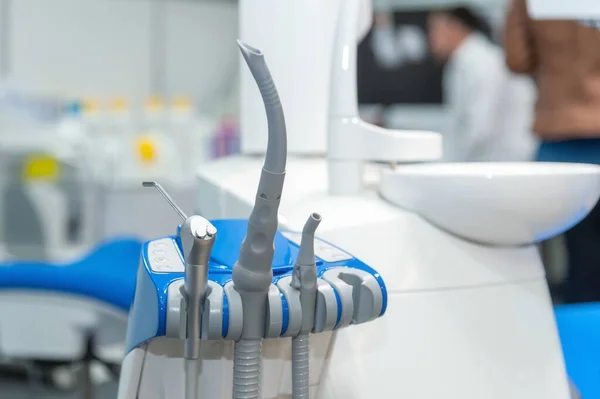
x,y
197,257
197,238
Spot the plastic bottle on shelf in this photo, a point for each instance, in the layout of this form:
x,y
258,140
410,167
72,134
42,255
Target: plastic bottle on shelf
x,y
117,130
92,124
191,132
146,155
120,121
70,130
71,124
92,117
154,115
226,141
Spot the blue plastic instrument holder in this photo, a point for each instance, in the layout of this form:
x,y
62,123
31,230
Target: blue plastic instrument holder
x,y
153,286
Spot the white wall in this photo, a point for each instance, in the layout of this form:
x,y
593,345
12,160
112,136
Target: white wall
x,y
89,47
134,48
201,50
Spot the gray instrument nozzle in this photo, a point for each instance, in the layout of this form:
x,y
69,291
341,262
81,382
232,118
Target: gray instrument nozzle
x,y
197,256
306,254
202,234
304,279
304,276
252,273
197,238
194,231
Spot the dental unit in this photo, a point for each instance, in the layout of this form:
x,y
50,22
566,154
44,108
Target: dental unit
x,y
469,314
61,202
246,283
68,205
65,211
58,279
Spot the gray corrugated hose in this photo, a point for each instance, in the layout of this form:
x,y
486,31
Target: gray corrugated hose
x,y
253,273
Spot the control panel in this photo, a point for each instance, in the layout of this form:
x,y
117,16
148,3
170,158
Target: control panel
x,y
164,256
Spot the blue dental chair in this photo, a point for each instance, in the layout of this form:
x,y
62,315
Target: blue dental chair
x,y
103,279
107,274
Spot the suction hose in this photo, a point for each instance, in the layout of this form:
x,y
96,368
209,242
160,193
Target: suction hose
x,y
253,273
304,279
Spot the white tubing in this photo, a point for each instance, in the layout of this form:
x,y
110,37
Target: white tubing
x,y
300,366
246,369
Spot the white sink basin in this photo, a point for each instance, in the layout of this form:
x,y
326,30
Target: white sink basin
x,y
496,203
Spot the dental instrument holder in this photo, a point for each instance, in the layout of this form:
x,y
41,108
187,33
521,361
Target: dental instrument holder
x,y
347,290
283,284
315,287
352,141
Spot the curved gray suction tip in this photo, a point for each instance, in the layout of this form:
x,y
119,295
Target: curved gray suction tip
x,y
276,155
252,274
306,256
302,277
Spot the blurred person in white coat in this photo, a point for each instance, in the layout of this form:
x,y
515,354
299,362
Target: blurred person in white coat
x,y
490,110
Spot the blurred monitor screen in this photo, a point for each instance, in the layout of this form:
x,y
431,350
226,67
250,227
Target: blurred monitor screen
x,y
409,75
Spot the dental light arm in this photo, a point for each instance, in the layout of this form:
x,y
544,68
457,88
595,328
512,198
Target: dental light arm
x,y
304,279
252,274
197,237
